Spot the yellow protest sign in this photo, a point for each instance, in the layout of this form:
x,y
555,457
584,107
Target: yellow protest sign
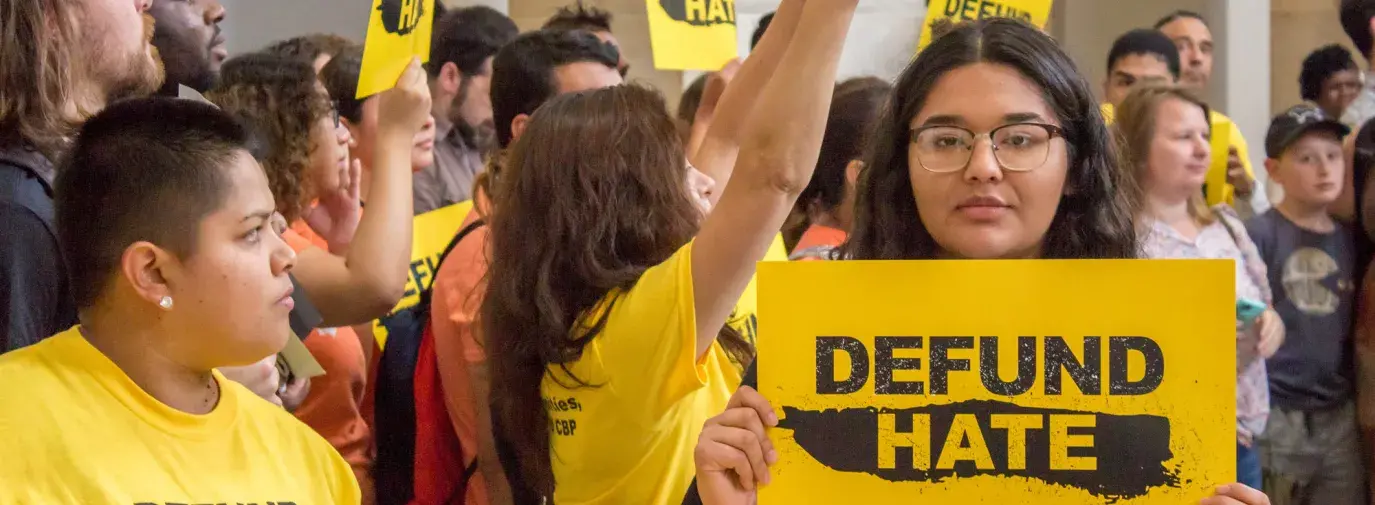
x,y
1215,187
431,232
692,34
996,382
398,30
1036,12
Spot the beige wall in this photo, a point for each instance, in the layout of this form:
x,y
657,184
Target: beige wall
x,y
1298,27
631,26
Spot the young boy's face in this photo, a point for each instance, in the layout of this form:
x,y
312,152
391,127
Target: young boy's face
x,y
1310,169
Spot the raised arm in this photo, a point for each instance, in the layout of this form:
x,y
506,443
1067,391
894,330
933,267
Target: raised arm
x,y
367,282
721,143
778,152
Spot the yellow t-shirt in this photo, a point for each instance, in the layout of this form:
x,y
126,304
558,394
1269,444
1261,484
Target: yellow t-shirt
x,y
75,429
1220,193
744,319
629,437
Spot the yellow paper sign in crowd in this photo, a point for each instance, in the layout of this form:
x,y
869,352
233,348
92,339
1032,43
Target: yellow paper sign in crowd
x,y
398,30
692,34
1036,12
431,232
995,382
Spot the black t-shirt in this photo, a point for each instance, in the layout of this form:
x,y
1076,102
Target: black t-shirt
x,y
1312,277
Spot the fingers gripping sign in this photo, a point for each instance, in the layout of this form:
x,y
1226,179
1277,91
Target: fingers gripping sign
x,y
734,452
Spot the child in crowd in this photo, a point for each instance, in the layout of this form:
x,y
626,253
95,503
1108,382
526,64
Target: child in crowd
x,y
1310,449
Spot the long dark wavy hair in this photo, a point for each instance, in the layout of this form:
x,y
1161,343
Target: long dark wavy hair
x,y
1094,219
593,194
278,98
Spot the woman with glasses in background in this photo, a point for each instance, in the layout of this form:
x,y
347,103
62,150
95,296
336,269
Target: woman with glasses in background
x,y
303,147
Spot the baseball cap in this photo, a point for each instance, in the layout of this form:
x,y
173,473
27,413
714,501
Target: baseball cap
x,y
1295,123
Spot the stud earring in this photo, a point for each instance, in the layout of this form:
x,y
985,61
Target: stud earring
x,y
165,303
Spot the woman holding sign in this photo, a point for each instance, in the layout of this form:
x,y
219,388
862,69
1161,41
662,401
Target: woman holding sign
x,y
1165,135
612,276
1044,185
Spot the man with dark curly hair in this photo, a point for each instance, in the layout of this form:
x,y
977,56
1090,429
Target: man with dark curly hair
x,y
1330,79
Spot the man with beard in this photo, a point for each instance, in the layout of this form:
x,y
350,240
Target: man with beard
x,y
189,39
465,41
61,61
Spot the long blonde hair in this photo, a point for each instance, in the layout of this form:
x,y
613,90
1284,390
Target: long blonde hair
x,y
38,41
1134,131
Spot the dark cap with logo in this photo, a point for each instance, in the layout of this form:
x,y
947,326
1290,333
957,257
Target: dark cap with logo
x,y
1296,122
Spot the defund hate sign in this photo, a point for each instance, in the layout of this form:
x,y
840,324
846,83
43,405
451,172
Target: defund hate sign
x,y
983,382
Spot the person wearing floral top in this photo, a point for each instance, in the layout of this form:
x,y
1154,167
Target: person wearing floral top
x,y
1165,133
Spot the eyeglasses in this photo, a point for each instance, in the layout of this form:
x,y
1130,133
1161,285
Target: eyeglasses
x,y
334,112
1018,147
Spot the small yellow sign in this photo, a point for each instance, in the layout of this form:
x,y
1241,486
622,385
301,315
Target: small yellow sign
x,y
431,232
1036,12
1215,187
996,382
398,30
692,34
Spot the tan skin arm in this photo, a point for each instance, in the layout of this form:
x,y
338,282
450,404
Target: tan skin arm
x,y
367,283
778,152
720,143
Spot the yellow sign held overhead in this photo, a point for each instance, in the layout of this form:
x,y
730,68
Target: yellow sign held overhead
x,y
995,382
692,34
398,30
1036,12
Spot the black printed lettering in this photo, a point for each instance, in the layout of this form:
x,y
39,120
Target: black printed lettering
x,y
942,365
885,364
1086,375
1026,366
826,348
1118,349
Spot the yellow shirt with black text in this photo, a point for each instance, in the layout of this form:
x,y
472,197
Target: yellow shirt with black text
x,y
629,437
744,319
75,429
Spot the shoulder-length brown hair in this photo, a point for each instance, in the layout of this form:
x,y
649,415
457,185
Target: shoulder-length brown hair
x,y
1134,130
593,195
279,100
38,45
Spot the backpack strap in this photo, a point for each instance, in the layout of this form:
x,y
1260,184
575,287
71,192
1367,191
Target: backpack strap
x,y
462,234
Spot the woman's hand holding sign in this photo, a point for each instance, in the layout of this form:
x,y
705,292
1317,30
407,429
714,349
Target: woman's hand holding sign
x,y
734,452
1236,494
1271,333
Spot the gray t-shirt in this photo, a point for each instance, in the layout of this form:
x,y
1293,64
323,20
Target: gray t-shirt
x,y
1311,275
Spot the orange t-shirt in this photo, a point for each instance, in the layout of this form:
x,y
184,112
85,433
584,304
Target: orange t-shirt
x,y
332,408
457,295
817,243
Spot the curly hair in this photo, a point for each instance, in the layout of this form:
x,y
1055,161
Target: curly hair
x,y
1320,65
276,98
1094,219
